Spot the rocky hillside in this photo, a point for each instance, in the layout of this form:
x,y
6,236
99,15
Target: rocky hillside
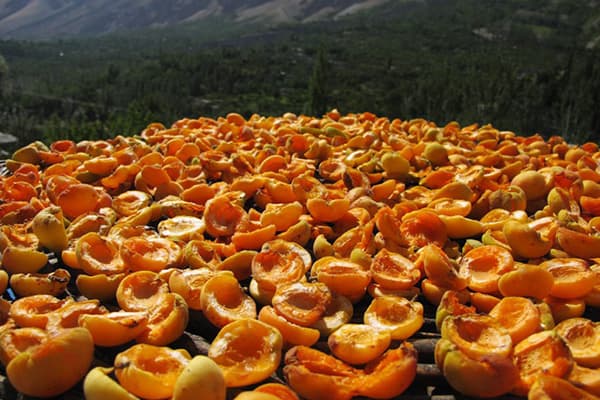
x,y
39,19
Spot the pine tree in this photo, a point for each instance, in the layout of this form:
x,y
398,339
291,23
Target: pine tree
x,y
317,90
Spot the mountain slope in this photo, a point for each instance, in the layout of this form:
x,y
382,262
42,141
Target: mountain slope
x,y
40,19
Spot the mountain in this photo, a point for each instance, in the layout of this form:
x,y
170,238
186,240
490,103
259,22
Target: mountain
x,y
42,19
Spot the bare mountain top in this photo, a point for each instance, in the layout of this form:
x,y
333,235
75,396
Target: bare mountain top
x,y
40,19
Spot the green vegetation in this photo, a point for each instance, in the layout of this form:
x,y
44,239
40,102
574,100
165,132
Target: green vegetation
x,y
520,65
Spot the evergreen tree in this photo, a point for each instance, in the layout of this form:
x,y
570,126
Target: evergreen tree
x,y
317,90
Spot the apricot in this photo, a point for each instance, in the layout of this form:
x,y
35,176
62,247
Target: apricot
x,y
101,286
279,390
167,320
292,333
131,201
33,310
300,302
572,277
53,283
484,265
518,315
358,343
440,268
578,244
315,375
239,263
247,351
200,378
150,371
401,317
98,255
338,312
140,290
23,259
534,184
518,281
278,262
525,241
451,304
49,226
115,328
582,336
495,376
97,385
45,361
223,300
189,283
551,387
393,271
151,254
478,336
182,227
15,341
542,353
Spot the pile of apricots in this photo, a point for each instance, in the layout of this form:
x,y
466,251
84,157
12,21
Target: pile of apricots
x,y
311,248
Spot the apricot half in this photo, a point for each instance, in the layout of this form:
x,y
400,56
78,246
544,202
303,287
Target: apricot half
x,y
54,366
150,371
247,350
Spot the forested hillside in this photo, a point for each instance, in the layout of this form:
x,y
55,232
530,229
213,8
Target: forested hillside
x,y
527,66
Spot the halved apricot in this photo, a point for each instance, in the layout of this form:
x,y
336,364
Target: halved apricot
x,y
15,341
282,215
189,283
150,371
140,290
101,286
247,350
182,227
278,262
279,390
342,276
73,347
33,310
98,254
97,385
114,328
223,300
478,336
394,271
451,304
358,343
484,265
23,259
53,283
167,320
316,375
400,316
223,215
542,353
292,333
68,315
582,336
302,303
518,281
440,268
552,387
573,277
423,227
518,315
152,254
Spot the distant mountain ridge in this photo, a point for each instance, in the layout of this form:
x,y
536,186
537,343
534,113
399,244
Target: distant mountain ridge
x,y
42,19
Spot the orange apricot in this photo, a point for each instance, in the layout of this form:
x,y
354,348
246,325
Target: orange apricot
x,y
582,336
189,283
440,269
150,371
518,281
140,290
573,277
302,303
542,353
223,300
278,262
342,276
394,271
98,254
423,227
32,311
292,333
484,265
101,286
358,343
152,254
518,315
15,341
167,320
400,316
247,350
53,283
552,387
45,361
279,390
223,215
338,312
114,328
